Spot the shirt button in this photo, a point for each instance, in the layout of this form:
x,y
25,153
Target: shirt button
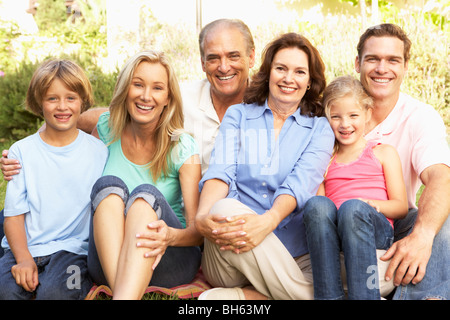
x,y
263,184
264,196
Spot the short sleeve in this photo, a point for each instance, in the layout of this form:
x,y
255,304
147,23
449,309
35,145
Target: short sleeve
x,y
103,129
430,144
183,150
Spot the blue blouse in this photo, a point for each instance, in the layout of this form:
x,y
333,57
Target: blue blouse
x,y
258,167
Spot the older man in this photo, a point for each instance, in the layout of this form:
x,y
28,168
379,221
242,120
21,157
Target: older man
x,y
420,256
227,54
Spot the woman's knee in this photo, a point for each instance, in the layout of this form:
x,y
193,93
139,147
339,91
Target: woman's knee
x,y
105,187
230,207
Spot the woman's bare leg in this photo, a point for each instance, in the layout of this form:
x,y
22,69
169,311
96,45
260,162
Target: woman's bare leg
x,y
134,270
109,222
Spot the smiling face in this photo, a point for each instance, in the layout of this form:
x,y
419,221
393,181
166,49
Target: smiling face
x,y
382,68
148,93
226,62
348,120
61,108
289,78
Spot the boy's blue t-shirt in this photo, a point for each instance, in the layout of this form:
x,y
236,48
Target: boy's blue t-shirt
x,y
53,191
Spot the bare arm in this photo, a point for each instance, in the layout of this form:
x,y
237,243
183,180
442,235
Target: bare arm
x,y
213,190
397,205
190,175
410,255
25,270
88,119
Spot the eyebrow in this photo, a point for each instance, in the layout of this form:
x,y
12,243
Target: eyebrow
x,y
366,56
155,82
284,65
215,55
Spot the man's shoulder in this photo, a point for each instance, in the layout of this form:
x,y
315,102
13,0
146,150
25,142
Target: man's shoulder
x,y
194,87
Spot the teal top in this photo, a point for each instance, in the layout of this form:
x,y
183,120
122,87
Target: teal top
x,y
133,175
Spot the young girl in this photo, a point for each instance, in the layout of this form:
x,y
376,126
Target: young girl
x,y
363,191
47,204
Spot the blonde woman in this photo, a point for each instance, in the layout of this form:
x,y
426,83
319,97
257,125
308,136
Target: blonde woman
x,y
141,232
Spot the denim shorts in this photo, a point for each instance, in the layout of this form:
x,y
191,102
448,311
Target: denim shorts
x,y
179,265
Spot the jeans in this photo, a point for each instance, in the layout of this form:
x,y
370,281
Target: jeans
x,y
179,265
62,276
2,232
436,282
357,230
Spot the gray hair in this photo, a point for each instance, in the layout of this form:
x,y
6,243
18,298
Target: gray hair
x,y
236,23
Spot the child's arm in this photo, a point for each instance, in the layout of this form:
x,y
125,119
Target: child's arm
x,y
321,190
397,205
25,271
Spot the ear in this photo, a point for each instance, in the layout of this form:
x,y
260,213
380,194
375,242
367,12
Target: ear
x,y
357,65
203,64
252,59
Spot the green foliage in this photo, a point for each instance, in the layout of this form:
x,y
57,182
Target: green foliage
x,y
15,121
50,14
8,31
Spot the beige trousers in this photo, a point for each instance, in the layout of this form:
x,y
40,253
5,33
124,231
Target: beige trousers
x,y
269,267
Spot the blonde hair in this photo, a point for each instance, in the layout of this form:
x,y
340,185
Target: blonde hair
x,y
171,122
71,74
342,87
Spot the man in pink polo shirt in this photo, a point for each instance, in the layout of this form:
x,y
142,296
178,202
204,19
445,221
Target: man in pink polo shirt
x,y
420,263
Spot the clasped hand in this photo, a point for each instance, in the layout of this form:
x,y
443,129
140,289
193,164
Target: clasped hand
x,y
240,233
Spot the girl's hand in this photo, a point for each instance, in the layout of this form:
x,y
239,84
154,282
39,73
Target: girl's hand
x,y
26,274
371,203
157,239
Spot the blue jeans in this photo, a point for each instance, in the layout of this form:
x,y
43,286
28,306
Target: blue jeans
x,y
179,265
62,276
357,230
2,232
436,282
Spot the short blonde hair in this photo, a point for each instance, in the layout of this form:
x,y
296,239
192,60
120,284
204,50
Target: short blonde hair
x,y
342,87
71,74
171,121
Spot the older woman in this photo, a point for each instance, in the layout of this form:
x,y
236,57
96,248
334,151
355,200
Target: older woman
x,y
268,160
140,232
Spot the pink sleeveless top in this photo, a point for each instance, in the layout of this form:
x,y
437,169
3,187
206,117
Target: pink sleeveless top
x,y
362,178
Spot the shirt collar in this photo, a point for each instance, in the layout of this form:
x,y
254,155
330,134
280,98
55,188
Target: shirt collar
x,y
257,111
388,125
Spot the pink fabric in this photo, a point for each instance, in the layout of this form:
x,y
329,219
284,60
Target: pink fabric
x,y
362,178
418,133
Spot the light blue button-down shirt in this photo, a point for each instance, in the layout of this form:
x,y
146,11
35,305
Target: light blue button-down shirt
x,y
259,167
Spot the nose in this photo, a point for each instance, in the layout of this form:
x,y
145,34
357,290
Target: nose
x,y
146,94
288,77
62,105
344,123
381,66
224,66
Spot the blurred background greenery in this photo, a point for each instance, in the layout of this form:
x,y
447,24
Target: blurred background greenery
x,y
84,38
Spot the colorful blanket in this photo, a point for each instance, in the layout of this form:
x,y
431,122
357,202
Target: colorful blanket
x,y
185,291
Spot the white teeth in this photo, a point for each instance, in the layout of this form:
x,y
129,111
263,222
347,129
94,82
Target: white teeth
x,y
144,107
287,89
226,78
62,117
381,80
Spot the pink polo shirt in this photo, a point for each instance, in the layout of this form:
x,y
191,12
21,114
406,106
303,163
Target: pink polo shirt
x,y
418,133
